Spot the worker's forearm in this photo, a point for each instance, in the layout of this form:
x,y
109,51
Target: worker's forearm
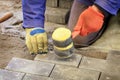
x,y
33,13
110,6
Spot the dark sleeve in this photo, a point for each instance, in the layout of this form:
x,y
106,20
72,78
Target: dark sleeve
x,y
33,13
111,6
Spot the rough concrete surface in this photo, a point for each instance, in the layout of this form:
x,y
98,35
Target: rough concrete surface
x,y
114,57
69,73
13,45
9,75
65,3
29,66
56,15
53,58
109,69
35,77
110,40
93,64
52,3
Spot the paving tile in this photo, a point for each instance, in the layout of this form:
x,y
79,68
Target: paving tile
x,y
114,57
35,77
29,66
56,15
50,27
65,3
10,75
110,39
93,64
52,3
70,73
52,58
92,52
106,67
112,72
107,76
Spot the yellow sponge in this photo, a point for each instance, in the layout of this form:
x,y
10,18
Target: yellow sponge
x,y
64,48
61,34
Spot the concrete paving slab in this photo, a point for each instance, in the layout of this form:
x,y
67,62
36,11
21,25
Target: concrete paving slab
x,y
105,76
52,3
112,72
114,57
35,77
50,27
92,52
65,3
52,58
110,40
93,64
104,66
10,75
29,66
56,15
70,73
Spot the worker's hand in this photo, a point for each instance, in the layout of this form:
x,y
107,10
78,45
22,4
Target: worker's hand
x,y
36,40
90,20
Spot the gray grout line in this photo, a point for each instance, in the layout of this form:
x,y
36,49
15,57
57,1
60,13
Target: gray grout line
x,y
52,70
99,76
23,76
80,62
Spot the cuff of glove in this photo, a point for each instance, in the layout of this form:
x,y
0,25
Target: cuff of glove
x,y
34,31
33,24
108,5
103,11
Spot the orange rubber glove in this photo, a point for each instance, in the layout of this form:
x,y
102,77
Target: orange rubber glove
x,y
90,20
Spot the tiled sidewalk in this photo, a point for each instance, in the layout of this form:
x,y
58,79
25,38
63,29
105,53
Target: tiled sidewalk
x,y
76,68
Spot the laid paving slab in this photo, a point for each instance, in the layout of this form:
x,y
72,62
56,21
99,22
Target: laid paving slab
x,y
110,40
10,75
105,76
56,15
52,58
65,3
50,27
112,72
92,52
70,73
52,3
114,57
104,66
35,77
93,64
29,66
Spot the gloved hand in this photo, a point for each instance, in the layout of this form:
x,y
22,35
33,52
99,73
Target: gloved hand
x,y
36,40
90,20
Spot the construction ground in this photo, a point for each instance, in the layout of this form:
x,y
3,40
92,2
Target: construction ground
x,y
100,61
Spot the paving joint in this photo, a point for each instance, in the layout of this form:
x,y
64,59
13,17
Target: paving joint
x,y
52,70
99,75
80,62
23,76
